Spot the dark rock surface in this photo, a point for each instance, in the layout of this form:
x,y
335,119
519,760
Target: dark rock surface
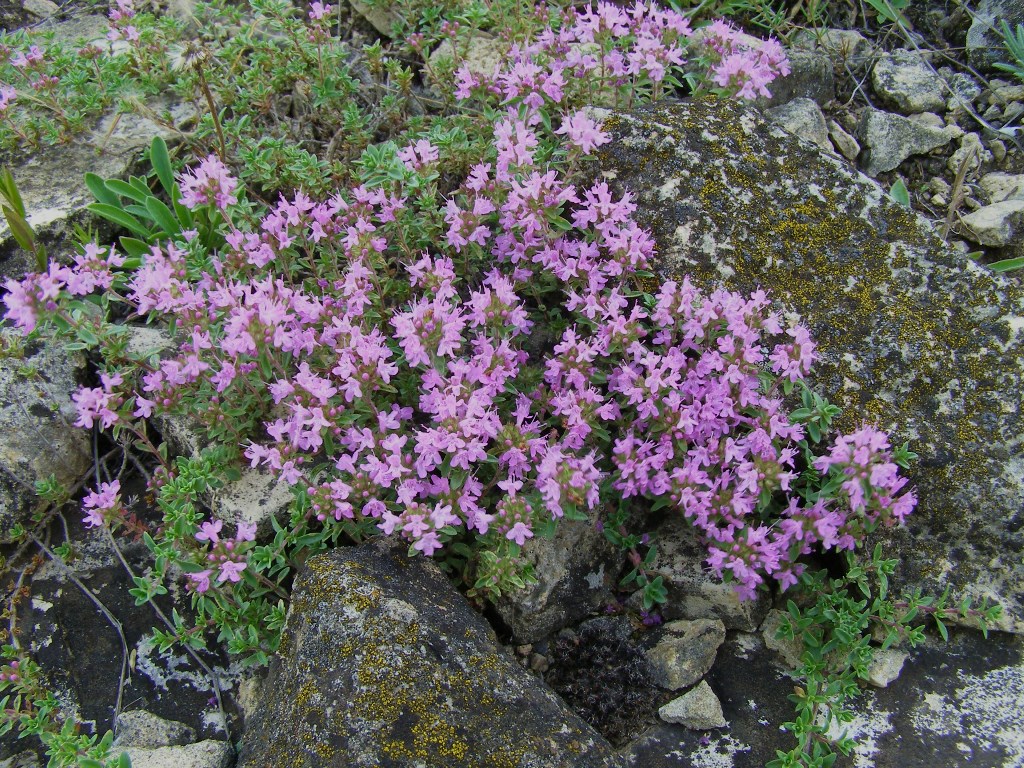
x,y
385,664
912,336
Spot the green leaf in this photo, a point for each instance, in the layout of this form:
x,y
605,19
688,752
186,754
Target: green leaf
x,y
1007,265
898,192
942,629
118,216
9,189
88,762
162,215
100,191
20,229
135,248
130,191
161,161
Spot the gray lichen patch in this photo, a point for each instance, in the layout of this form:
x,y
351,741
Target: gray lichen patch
x,y
913,337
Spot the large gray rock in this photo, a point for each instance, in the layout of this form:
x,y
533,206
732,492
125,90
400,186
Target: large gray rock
x,y
984,41
203,754
803,118
37,436
685,652
890,139
573,571
912,336
383,663
811,77
139,728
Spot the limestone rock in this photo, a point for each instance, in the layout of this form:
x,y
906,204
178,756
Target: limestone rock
x,y
912,336
984,41
203,754
972,153
573,569
382,15
803,118
844,143
788,650
997,224
1002,186
848,48
685,652
890,139
139,728
693,592
885,666
481,55
384,663
698,709
37,433
907,83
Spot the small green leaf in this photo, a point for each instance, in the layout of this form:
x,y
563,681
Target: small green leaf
x,y
162,215
898,192
1007,265
161,161
125,189
100,191
118,216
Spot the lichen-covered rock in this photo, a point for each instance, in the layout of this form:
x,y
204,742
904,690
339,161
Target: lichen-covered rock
x,y
890,139
810,77
573,570
385,664
906,82
912,336
1002,186
37,436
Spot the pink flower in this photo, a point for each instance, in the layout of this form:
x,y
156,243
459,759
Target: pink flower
x,y
583,132
210,531
230,571
98,503
200,580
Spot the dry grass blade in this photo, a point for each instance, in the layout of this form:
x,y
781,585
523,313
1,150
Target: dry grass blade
x,y
958,193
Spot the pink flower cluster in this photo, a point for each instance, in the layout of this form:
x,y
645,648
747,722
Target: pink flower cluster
x,y
225,556
208,184
119,17
741,64
100,504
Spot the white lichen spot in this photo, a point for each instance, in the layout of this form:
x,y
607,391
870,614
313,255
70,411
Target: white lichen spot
x,y
595,580
41,605
667,191
715,754
865,729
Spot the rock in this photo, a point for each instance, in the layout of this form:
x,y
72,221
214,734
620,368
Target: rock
x,y
971,152
384,663
698,709
847,47
789,650
37,433
997,224
904,81
140,728
998,150
1002,186
1007,94
912,336
693,592
964,91
22,760
204,754
810,77
42,9
256,497
956,706
984,39
885,666
482,55
803,118
890,139
685,652
844,143
383,16
572,570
